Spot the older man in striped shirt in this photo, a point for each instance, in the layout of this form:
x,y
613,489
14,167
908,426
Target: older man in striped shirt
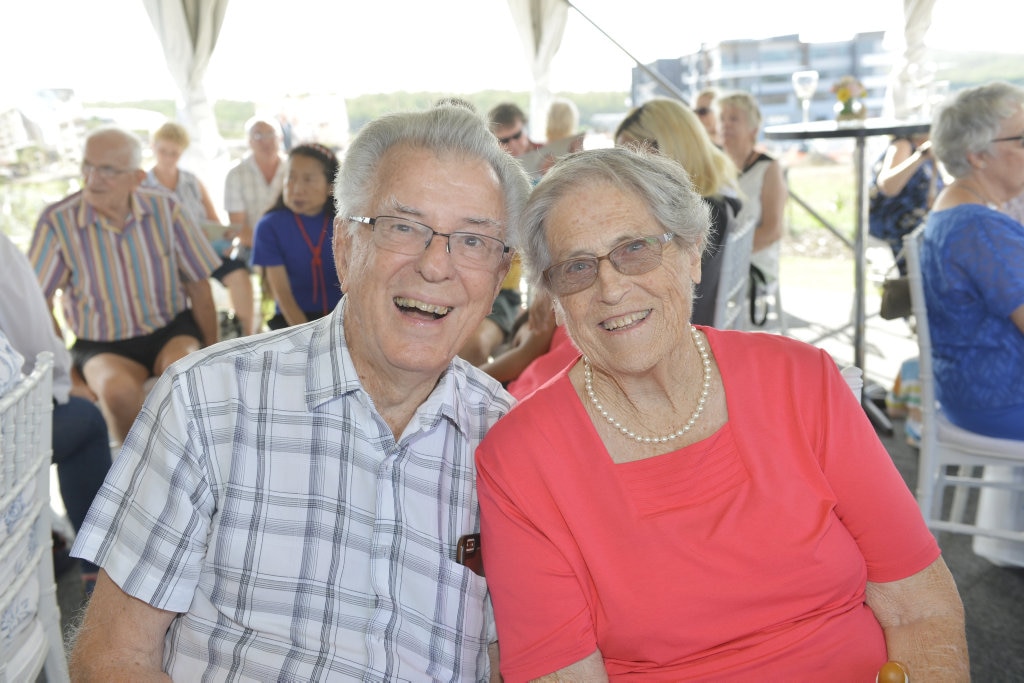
x,y
129,263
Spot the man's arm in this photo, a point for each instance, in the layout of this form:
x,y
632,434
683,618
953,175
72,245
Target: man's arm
x,y
121,638
204,310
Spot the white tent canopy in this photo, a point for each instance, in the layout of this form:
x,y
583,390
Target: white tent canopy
x,y
188,31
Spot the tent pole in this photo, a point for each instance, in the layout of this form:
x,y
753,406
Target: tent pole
x,y
650,72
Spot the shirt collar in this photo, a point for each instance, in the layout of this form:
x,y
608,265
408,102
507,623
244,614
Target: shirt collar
x,y
331,374
87,215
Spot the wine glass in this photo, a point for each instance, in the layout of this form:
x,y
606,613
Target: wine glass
x,y
804,85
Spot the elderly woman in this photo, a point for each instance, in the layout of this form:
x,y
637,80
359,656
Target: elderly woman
x,y
971,262
676,132
761,178
689,503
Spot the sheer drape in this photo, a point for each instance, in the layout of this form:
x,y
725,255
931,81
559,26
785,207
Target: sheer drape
x,y
541,24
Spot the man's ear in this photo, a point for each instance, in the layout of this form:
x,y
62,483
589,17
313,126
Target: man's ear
x,y
341,245
503,268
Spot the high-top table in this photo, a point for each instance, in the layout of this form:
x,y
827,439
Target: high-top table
x,y
859,131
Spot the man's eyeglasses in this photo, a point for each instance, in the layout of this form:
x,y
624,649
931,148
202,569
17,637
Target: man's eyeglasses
x,y
105,172
1012,138
515,136
635,257
403,236
262,136
702,111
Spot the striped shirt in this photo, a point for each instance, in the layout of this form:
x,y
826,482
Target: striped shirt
x,y
262,495
120,282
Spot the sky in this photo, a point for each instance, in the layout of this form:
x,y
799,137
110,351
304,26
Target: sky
x,y
106,50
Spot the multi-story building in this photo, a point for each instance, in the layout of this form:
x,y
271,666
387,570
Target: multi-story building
x,y
765,67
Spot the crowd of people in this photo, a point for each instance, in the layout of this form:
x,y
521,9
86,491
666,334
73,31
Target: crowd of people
x,y
314,502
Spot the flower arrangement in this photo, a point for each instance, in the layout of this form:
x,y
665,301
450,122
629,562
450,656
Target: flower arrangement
x,y
849,90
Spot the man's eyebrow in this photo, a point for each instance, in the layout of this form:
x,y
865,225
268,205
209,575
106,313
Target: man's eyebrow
x,y
471,220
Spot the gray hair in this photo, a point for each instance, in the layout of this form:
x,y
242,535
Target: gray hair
x,y
659,182
443,130
968,122
267,120
128,139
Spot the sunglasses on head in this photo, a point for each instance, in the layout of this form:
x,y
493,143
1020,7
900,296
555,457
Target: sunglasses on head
x,y
515,136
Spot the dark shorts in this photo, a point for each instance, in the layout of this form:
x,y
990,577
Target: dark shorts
x,y
228,266
279,323
506,309
143,350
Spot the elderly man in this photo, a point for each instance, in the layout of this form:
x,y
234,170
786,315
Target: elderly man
x,y
289,507
250,188
254,183
508,123
129,261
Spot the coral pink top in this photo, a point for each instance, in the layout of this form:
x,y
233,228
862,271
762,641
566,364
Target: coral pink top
x,y
561,352
741,557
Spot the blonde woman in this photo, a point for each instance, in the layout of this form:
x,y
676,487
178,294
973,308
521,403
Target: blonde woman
x,y
675,132
169,142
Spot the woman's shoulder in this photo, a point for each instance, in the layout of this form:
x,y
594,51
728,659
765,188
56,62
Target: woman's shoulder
x,y
757,352
547,404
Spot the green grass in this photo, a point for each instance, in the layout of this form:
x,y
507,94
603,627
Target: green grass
x,y
829,189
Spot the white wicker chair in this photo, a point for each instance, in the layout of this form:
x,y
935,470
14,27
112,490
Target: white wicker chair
x,y
733,283
30,636
945,446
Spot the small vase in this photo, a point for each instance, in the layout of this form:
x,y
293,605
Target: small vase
x,y
853,111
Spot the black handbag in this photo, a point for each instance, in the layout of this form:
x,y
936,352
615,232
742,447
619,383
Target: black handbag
x,y
895,293
895,298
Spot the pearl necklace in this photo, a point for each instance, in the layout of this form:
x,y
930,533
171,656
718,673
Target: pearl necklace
x,y
625,431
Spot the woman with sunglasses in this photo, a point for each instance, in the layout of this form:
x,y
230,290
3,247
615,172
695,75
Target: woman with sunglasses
x,y
685,503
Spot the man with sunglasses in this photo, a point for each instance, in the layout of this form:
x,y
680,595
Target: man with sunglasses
x,y
133,269
508,123
302,505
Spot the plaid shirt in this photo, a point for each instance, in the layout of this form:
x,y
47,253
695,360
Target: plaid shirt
x,y
120,282
262,495
245,189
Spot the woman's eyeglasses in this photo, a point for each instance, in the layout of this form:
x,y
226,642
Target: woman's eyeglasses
x,y
635,257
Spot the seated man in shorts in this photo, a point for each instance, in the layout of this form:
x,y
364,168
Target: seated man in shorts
x,y
129,263
496,328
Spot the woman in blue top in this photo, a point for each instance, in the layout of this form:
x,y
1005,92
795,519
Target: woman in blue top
x,y
293,239
972,262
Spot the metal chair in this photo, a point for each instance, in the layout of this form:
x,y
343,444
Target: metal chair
x,y
733,283
944,446
30,636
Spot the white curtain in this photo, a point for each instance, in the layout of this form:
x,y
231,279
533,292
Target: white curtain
x,y
541,24
188,31
913,72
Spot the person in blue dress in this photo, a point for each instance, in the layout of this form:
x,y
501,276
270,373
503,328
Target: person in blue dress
x,y
293,239
972,262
